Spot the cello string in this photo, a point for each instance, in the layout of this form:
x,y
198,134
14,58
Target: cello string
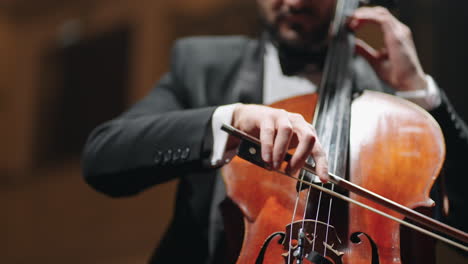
x,y
331,116
342,103
316,216
342,51
328,221
293,216
371,196
323,108
377,211
321,105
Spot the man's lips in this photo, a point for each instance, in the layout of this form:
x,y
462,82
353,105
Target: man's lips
x,y
296,18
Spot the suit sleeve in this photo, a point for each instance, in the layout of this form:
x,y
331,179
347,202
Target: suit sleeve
x,y
454,170
160,138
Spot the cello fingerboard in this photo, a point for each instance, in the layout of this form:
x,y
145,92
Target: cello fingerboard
x,y
332,115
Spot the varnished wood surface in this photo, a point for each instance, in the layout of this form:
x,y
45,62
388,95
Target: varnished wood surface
x,y
396,150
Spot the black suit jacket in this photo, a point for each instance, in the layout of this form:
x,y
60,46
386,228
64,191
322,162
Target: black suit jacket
x,y
167,135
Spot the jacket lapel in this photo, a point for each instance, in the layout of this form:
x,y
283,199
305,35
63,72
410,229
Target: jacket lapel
x,y
248,86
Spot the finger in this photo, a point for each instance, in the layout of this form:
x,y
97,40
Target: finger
x,y
306,137
373,56
380,16
283,137
376,15
303,151
369,53
267,135
394,31
308,146
321,162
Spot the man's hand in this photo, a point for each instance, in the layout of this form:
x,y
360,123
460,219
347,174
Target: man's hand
x,y
397,63
279,131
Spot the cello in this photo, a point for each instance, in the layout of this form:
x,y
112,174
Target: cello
x,y
382,143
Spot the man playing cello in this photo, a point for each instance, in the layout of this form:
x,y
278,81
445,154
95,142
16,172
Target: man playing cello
x,y
174,131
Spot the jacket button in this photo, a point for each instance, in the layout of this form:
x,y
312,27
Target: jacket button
x,y
167,156
157,157
176,155
185,153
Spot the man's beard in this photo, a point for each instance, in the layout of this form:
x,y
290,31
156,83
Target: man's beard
x,y
313,40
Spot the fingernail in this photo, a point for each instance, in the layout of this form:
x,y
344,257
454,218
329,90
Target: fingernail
x,y
324,179
275,165
267,158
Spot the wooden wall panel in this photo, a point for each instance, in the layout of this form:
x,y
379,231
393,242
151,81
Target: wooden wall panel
x,y
50,214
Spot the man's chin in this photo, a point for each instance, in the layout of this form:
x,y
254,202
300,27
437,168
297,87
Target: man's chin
x,y
294,39
300,40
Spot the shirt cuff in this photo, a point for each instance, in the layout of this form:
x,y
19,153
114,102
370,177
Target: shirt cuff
x,y
428,98
222,115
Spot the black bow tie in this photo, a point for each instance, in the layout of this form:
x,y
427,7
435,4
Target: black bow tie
x,y
293,61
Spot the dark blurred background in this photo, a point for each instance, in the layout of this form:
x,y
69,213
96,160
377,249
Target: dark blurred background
x,y
67,66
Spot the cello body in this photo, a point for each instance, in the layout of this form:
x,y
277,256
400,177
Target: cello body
x,y
396,149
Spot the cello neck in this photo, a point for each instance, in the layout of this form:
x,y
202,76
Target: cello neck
x,y
332,114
